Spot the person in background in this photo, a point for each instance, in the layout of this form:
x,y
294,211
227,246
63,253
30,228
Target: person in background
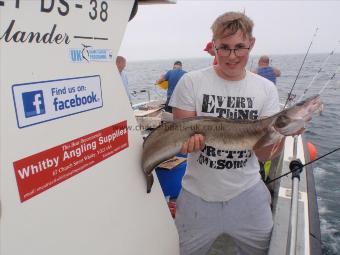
x,y
121,64
172,76
210,49
267,71
222,191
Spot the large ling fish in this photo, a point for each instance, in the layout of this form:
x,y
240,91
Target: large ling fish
x,y
166,141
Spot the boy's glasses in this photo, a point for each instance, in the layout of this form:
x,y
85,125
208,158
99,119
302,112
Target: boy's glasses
x,y
224,51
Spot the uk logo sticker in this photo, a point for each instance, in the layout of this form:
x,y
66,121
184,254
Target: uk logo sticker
x,y
33,103
90,54
38,102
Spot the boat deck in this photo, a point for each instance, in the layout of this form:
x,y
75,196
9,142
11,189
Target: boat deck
x,y
281,190
282,205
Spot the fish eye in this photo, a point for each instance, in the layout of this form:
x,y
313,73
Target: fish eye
x,y
281,121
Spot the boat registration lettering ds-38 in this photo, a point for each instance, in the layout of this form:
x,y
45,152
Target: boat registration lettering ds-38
x,y
43,101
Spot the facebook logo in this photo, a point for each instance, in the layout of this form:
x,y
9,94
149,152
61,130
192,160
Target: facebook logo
x,y
33,103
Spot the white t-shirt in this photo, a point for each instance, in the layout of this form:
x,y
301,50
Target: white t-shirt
x,y
215,174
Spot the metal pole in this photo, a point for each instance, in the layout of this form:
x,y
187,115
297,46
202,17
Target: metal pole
x,y
296,167
149,95
295,147
292,231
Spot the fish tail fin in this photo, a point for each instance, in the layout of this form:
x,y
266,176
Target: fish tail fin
x,y
149,182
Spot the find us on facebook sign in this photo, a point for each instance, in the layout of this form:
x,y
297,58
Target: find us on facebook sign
x,y
42,101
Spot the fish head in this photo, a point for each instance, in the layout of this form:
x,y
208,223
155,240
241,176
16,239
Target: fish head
x,y
305,107
293,119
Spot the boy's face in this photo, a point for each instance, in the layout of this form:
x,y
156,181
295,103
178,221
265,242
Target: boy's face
x,y
231,67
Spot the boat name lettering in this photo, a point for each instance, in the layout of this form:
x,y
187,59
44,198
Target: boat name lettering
x,y
18,36
94,9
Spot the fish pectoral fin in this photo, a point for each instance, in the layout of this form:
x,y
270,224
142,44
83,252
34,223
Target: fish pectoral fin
x,y
292,127
271,137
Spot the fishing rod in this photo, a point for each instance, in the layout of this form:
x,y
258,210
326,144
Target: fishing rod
x,y
324,86
303,62
318,72
302,166
329,80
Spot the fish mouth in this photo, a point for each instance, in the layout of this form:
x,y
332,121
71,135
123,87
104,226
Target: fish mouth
x,y
315,100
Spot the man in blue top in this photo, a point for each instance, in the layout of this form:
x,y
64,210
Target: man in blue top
x,y
267,71
270,73
172,76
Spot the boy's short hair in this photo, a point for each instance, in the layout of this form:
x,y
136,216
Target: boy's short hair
x,y
229,23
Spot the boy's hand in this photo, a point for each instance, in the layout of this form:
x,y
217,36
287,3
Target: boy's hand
x,y
193,144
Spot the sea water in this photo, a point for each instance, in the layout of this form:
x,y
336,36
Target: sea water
x,y
323,131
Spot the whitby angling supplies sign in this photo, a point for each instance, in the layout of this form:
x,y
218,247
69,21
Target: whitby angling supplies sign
x,y
46,169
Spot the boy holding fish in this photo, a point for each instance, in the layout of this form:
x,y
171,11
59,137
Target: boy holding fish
x,y
222,189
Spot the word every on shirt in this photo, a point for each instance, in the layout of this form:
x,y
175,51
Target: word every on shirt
x,y
237,108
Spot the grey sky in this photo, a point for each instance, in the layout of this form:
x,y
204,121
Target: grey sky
x,y
183,29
